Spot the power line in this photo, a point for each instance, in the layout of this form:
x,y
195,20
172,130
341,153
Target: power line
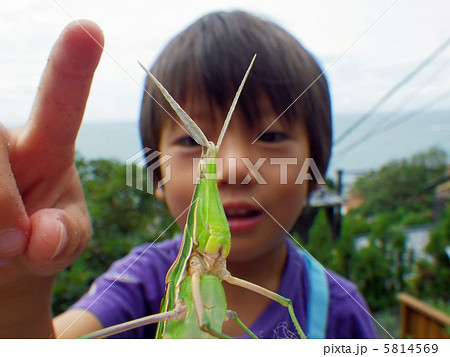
x,y
395,113
406,117
396,122
395,118
400,84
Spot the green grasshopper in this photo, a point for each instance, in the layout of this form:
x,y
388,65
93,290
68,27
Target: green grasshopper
x,y
194,281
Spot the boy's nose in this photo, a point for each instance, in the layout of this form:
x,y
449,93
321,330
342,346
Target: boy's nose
x,y
234,154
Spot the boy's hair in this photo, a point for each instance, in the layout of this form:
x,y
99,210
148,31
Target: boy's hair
x,y
210,58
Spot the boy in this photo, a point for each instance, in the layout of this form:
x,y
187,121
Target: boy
x,y
202,68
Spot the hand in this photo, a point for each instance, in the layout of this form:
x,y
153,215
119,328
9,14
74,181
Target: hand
x,y
44,223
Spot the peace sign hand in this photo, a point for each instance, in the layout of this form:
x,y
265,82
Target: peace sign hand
x,y
44,223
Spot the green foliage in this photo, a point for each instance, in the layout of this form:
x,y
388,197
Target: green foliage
x,y
388,320
122,217
393,197
401,185
379,269
440,304
370,271
432,278
320,243
344,254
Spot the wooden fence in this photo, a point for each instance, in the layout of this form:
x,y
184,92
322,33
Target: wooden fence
x,y
420,320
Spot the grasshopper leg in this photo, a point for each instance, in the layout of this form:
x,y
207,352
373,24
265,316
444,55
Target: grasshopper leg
x,y
199,309
270,295
176,314
233,315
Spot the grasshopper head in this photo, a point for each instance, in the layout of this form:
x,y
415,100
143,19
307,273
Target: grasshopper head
x,y
207,166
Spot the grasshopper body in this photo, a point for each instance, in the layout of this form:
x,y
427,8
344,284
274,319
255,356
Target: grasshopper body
x,y
205,246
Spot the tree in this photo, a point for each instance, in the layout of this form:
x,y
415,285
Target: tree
x,y
344,254
432,278
380,268
394,196
400,185
320,239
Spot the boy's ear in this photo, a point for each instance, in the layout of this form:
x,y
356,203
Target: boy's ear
x,y
159,194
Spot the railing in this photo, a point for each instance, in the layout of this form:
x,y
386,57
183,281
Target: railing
x,y
420,320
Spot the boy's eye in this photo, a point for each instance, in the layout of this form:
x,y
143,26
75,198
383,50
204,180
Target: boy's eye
x,y
187,141
273,136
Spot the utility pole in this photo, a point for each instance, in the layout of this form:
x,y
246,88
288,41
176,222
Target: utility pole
x,y
338,207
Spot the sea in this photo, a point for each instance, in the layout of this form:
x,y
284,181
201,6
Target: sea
x,y
360,144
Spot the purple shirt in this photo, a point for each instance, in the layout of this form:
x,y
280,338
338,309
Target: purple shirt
x,y
133,287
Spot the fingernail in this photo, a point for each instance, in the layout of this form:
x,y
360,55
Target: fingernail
x,y
12,240
62,240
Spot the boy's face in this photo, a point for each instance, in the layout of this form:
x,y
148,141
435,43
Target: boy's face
x,y
258,180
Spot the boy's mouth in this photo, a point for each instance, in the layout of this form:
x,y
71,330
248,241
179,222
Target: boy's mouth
x,y
242,217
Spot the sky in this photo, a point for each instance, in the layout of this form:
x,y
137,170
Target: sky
x,y
364,47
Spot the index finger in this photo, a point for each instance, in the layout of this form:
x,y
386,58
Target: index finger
x,y
64,88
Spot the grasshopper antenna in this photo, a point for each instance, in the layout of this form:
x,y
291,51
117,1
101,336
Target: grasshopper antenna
x,y
233,105
192,127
